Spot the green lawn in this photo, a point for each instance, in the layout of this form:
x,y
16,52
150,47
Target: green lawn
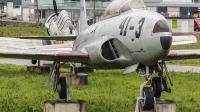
x,y
107,91
10,29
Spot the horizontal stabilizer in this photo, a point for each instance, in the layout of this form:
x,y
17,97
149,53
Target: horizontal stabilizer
x,y
61,38
178,40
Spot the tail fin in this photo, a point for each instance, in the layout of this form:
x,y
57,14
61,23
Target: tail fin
x,y
83,21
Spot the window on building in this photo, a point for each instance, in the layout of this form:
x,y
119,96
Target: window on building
x,y
184,11
162,9
174,24
16,6
192,10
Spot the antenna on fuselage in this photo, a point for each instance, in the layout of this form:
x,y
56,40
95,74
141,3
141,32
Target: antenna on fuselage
x,y
55,7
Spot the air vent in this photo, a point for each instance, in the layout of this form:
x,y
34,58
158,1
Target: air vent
x,y
113,49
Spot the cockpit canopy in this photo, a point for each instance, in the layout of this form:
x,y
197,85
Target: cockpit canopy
x,y
119,6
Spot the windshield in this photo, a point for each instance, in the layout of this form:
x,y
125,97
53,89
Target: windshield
x,y
117,6
137,4
161,26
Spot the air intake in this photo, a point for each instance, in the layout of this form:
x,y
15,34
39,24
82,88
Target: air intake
x,y
109,50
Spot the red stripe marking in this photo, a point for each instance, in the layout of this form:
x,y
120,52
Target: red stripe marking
x,y
176,55
172,55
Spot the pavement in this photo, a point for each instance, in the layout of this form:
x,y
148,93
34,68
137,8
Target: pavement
x,y
175,68
21,62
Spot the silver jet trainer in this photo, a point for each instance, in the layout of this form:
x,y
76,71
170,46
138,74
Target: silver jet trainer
x,y
128,37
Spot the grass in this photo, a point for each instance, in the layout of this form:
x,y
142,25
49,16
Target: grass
x,y
22,91
11,29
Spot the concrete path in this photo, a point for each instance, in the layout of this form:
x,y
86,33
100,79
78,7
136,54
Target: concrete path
x,y
178,68
170,67
21,62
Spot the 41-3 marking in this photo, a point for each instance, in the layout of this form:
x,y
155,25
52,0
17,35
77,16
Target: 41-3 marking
x,y
123,26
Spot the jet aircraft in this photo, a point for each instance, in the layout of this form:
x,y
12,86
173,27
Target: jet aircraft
x,y
128,37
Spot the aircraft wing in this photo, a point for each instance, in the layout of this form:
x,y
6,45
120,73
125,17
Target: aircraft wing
x,y
51,55
183,54
178,40
67,45
61,38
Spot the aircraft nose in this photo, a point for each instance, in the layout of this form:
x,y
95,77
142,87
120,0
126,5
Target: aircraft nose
x,y
166,42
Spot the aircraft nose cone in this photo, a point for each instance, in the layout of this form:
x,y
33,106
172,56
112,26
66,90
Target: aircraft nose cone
x,y
166,42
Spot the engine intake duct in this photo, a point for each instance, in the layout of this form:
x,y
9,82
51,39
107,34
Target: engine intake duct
x,y
109,50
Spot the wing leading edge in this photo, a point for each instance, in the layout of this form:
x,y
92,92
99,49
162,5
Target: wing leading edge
x,y
178,40
183,54
51,55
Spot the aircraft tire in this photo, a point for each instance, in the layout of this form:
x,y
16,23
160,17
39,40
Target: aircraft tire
x,y
62,91
157,88
148,99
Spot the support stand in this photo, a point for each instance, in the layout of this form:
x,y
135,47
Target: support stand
x,y
64,106
162,105
38,69
73,79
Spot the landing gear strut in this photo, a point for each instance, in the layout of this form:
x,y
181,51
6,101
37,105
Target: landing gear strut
x,y
159,83
60,84
152,89
146,99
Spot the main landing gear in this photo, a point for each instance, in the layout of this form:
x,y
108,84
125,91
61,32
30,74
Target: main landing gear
x,y
152,88
60,84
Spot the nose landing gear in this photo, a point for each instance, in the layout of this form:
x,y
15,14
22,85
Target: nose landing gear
x,y
146,100
159,83
152,89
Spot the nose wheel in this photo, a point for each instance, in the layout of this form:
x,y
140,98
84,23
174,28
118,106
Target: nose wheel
x,y
147,102
156,85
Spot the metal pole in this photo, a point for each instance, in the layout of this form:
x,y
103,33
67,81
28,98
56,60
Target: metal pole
x,y
37,10
0,12
94,13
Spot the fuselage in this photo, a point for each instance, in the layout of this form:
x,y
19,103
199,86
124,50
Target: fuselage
x,y
144,37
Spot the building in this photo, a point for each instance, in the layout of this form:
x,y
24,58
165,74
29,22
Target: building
x,y
27,10
179,13
72,7
174,8
11,7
